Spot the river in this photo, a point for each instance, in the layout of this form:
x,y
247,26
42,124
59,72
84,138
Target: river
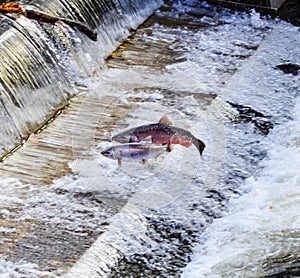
x,y
68,211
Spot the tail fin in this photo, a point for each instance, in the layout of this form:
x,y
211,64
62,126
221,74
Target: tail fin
x,y
200,145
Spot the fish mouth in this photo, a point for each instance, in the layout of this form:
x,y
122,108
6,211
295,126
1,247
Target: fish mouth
x,y
105,153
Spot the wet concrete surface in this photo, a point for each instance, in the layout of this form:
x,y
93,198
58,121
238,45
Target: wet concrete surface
x,y
56,244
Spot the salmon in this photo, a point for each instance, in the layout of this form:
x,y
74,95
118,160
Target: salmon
x,y
134,151
163,133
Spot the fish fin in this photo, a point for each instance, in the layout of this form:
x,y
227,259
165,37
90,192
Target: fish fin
x,y
144,161
200,146
164,120
186,144
119,162
170,146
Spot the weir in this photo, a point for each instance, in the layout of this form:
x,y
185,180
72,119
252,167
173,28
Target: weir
x,y
41,62
230,78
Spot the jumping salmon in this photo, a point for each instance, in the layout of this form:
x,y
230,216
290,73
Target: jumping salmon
x,y
134,151
161,133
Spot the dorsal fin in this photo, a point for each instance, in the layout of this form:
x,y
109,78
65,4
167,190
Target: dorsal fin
x,y
164,120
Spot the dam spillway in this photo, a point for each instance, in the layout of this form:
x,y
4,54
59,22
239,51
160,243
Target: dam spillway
x,y
40,62
68,211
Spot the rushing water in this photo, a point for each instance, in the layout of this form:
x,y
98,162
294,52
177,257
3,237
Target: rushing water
x,y
259,236
41,62
21,60
230,213
177,200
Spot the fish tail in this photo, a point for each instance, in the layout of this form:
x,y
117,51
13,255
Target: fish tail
x,y
199,145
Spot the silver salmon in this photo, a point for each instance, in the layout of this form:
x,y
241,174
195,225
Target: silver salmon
x,y
134,151
161,133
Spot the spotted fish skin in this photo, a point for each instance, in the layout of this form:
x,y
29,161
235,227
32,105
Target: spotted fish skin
x,y
160,133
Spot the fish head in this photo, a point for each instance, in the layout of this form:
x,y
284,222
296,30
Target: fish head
x,y
108,153
122,137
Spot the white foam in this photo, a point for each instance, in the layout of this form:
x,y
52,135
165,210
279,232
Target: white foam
x,y
23,269
259,224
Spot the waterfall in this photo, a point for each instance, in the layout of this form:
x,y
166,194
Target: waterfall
x,y
41,63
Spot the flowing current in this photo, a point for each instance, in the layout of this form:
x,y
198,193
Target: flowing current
x,y
259,236
42,63
68,211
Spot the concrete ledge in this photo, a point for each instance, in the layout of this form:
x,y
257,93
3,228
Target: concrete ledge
x,y
265,7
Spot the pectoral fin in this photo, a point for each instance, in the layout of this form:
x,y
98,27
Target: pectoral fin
x,y
169,146
119,162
